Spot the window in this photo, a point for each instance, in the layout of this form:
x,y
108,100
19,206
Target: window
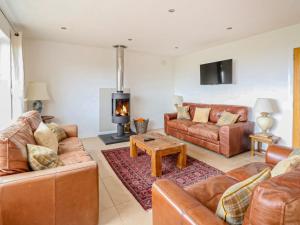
x,y
5,81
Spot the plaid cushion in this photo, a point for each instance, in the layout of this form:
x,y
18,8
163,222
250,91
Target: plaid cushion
x,y
235,200
58,131
41,158
183,112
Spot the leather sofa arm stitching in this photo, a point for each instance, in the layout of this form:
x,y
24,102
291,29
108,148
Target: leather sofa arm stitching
x,y
37,174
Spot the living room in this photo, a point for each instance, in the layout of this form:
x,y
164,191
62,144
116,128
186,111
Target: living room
x,y
77,62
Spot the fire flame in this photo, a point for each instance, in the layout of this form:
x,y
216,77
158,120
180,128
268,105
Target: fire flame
x,y
122,109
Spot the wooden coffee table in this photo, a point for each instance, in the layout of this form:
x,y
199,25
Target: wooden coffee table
x,y
161,146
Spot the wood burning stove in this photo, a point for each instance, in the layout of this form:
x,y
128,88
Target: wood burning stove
x,y
120,111
120,104
120,100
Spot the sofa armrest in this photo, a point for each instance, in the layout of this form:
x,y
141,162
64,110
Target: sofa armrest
x,y
172,205
234,138
167,117
71,130
63,195
170,116
276,153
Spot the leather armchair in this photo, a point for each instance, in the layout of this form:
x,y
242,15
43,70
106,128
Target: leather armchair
x,y
275,201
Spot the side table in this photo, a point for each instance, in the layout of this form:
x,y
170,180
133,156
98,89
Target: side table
x,y
47,119
261,139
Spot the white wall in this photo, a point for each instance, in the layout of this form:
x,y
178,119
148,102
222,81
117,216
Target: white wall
x,y
262,68
75,73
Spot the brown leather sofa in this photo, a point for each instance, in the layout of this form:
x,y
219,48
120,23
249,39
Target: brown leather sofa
x,y
275,201
226,140
66,195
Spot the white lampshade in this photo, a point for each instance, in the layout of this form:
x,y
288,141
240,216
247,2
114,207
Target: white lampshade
x,y
177,100
263,105
37,91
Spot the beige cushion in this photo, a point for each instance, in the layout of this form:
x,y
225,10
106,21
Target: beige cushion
x,y
183,112
41,158
235,200
45,137
58,131
227,118
286,165
201,115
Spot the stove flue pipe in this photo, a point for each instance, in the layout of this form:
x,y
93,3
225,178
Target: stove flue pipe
x,y
120,67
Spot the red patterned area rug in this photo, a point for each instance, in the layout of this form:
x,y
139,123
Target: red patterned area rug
x,y
135,173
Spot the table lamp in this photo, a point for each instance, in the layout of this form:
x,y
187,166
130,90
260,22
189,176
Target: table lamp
x,y
265,121
37,92
177,101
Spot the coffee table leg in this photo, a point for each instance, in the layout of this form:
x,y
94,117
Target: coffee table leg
x,y
133,149
181,160
156,164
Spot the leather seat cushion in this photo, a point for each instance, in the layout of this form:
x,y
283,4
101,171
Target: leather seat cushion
x,y
247,171
180,124
207,131
70,144
209,191
74,157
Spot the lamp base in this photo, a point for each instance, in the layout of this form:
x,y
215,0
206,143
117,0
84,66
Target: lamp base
x,y
265,122
37,105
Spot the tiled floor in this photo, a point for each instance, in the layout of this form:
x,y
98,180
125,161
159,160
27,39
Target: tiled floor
x,y
119,207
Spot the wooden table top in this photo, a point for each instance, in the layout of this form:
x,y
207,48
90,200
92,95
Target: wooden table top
x,y
161,141
272,138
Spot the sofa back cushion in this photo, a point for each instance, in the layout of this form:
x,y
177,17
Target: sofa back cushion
x,y
33,118
217,110
13,151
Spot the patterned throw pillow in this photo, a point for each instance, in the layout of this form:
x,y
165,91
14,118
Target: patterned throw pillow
x,y
58,131
227,118
33,118
201,115
183,112
41,158
235,200
45,137
286,165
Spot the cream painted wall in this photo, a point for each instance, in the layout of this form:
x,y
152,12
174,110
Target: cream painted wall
x,y
262,68
75,73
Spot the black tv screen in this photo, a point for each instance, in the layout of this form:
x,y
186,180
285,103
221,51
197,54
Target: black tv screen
x,y
216,72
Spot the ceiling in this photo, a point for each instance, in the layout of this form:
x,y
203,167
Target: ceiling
x,y
195,25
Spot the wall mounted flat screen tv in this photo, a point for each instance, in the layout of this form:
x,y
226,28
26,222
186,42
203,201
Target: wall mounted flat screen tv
x,y
216,72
